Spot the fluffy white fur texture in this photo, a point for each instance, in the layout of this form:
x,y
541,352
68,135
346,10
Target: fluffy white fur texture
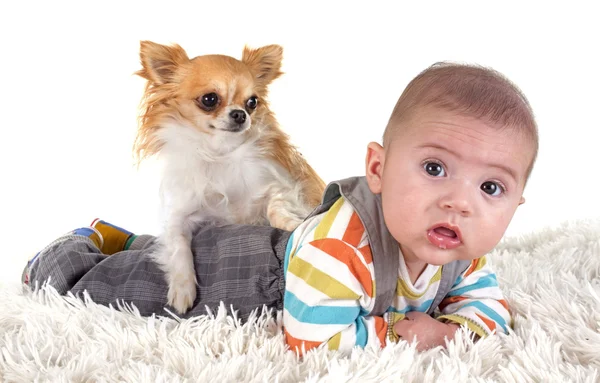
x,y
551,279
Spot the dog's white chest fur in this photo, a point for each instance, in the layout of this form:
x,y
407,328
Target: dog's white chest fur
x,y
202,182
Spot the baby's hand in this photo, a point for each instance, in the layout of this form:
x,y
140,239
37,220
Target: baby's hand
x,y
429,332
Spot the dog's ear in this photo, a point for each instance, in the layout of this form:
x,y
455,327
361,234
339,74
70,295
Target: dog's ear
x,y
159,62
264,62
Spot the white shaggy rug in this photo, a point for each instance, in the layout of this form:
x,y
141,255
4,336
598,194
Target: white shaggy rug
x,y
551,279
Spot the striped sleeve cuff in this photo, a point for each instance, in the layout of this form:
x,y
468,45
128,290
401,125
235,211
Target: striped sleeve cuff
x,y
470,324
392,318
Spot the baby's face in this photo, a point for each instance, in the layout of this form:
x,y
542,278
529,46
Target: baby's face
x,y
449,184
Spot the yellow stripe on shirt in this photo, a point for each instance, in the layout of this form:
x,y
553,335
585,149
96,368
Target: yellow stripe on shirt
x,y
320,281
322,229
402,289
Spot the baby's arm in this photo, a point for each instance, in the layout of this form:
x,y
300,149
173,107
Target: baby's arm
x,y
329,291
476,301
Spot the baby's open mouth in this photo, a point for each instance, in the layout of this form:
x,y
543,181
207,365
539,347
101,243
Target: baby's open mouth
x,y
444,237
445,231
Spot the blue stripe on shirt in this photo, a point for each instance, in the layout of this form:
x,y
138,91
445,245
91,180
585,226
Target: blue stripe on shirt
x,y
319,314
487,311
286,258
361,333
483,282
422,308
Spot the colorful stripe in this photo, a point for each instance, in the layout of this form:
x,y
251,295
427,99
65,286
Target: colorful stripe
x,y
361,333
482,283
380,326
403,290
320,281
488,312
297,345
423,307
288,255
322,229
354,232
347,255
319,314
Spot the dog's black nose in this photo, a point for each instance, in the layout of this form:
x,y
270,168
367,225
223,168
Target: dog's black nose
x,y
238,115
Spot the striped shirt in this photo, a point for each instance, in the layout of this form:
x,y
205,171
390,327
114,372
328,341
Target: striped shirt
x,y
330,288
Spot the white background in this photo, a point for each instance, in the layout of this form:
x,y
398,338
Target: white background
x,y
69,99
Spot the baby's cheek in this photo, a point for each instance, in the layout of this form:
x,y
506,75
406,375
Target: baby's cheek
x,y
493,235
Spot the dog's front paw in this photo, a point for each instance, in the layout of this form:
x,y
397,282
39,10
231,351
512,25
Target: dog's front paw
x,y
182,290
281,218
182,294
288,223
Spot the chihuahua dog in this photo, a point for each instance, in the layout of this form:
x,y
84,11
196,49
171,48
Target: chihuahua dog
x,y
224,157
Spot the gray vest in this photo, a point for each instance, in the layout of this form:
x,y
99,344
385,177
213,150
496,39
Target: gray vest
x,y
384,248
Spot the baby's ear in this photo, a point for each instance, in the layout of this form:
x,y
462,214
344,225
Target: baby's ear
x,y
522,201
374,163
160,62
264,62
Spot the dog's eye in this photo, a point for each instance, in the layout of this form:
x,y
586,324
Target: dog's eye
x,y
209,100
252,103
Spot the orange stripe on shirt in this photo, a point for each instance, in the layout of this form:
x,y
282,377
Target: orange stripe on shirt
x,y
366,253
381,329
296,344
354,231
476,264
346,254
450,300
503,303
490,323
471,268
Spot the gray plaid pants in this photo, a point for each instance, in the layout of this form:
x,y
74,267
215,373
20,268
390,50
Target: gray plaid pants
x,y
239,265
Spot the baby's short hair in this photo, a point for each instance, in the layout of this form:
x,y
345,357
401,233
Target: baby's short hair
x,y
471,90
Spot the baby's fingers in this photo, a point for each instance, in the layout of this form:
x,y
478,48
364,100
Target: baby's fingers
x,y
403,328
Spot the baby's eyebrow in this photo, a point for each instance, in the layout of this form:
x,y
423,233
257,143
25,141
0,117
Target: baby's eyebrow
x,y
510,171
507,169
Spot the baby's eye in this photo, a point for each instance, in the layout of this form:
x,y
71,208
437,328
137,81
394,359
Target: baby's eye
x,y
492,188
434,169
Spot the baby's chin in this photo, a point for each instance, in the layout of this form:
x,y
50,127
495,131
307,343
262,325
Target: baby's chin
x,y
436,256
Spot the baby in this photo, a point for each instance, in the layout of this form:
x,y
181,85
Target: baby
x,y
456,155
396,254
